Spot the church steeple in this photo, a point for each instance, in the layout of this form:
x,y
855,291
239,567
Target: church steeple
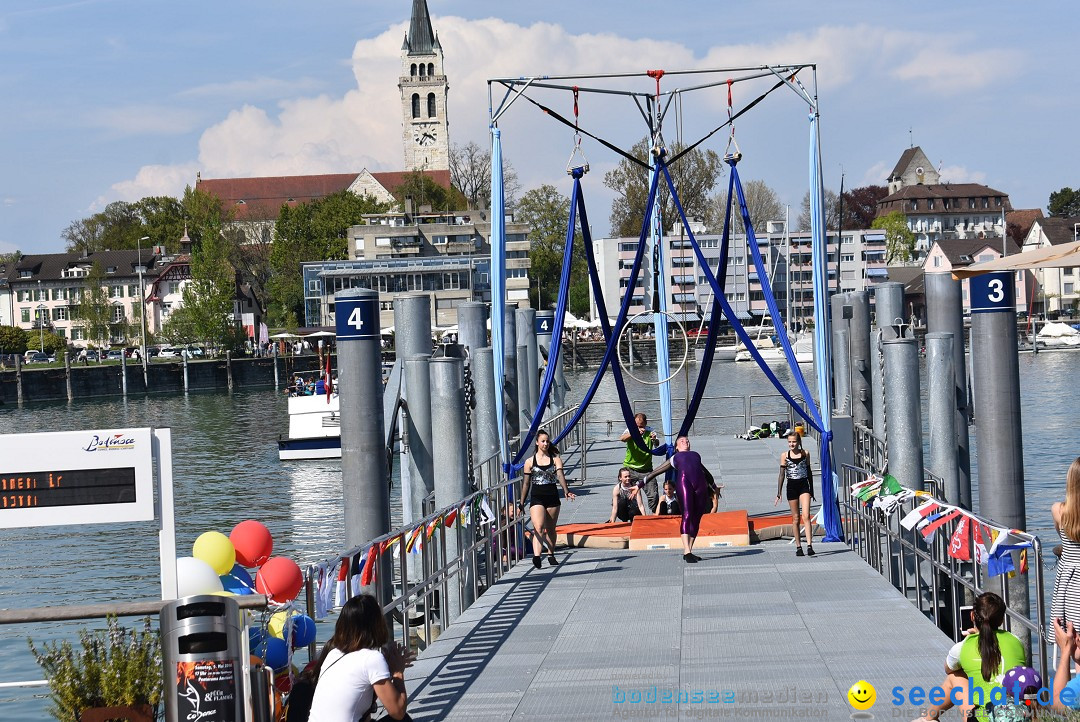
x,y
423,86
421,38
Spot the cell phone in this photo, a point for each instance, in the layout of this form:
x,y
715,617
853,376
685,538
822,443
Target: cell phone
x,y
967,619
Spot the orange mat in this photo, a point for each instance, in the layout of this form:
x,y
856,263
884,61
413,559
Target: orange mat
x,y
727,528
593,536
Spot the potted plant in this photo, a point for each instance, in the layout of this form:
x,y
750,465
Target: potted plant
x,y
115,674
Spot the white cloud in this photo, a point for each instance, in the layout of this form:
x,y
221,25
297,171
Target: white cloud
x,y
146,119
8,202
876,174
151,180
7,247
362,129
261,86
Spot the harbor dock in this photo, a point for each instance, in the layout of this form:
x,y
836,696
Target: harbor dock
x,y
748,632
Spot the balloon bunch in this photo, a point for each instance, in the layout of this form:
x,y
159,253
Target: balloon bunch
x,y
219,565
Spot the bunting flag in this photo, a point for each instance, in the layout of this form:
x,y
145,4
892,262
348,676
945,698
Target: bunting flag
x,y
411,546
356,571
367,577
329,378
1001,564
890,485
1000,558
981,554
341,590
935,523
487,516
448,519
960,543
1023,561
432,526
859,486
918,514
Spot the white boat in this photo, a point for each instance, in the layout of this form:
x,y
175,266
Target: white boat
x,y
314,429
770,352
1058,335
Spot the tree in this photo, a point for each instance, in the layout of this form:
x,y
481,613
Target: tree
x,y
547,212
315,231
423,191
899,240
209,295
161,219
93,314
12,340
860,206
1064,202
762,203
832,211
694,176
470,173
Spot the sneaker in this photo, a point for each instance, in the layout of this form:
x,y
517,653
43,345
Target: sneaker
x,y
552,560
810,550
799,551
690,558
695,556
536,562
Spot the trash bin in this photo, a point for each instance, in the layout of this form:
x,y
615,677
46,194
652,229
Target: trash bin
x,y
203,655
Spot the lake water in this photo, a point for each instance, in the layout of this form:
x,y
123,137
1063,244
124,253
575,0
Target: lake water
x,y
226,469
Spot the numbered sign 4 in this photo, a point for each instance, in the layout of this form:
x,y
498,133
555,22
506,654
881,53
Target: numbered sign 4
x,y
357,318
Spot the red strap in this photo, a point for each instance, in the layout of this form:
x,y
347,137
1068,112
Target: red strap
x,y
575,107
656,74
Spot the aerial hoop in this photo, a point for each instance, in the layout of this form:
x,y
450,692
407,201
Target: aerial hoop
x,y
686,347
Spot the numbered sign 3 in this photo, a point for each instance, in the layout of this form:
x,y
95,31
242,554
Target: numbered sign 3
x,y
993,293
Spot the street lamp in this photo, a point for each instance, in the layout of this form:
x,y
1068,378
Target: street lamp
x,y
142,308
41,324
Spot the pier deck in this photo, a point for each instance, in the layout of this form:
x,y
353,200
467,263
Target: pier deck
x,y
756,630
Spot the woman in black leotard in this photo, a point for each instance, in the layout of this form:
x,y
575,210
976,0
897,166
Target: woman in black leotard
x,y
543,474
795,469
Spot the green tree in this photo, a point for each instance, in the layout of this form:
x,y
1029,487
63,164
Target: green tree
x,y
315,231
12,340
179,329
547,212
1064,202
93,313
899,240
209,295
423,191
694,176
762,203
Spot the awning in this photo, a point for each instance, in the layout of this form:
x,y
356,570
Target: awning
x,y
685,316
877,273
1065,255
741,315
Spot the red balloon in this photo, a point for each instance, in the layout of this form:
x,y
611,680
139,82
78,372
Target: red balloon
x,y
280,579
252,542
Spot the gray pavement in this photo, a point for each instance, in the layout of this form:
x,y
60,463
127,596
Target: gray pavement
x,y
747,632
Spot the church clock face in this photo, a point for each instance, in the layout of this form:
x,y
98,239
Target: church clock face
x,y
424,134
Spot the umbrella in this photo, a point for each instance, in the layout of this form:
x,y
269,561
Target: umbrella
x,y
388,331
284,336
320,334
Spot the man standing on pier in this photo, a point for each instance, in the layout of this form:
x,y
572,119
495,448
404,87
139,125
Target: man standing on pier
x,y
639,460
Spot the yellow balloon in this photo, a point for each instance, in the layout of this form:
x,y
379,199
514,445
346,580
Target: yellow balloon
x,y
222,594
276,625
215,549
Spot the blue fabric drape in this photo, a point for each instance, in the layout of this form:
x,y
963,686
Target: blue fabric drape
x,y
498,287
660,320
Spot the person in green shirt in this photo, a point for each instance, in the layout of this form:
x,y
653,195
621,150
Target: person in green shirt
x,y
977,663
639,460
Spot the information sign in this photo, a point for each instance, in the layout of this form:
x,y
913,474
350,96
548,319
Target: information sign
x,y
76,477
545,325
992,293
357,318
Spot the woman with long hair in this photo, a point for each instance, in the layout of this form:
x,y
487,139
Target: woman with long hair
x,y
358,664
795,469
543,476
979,661
1065,604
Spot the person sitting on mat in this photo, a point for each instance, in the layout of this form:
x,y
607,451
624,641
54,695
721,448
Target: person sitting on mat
x,y
692,482
669,502
795,467
625,504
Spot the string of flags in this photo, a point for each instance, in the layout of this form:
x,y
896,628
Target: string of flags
x,y
335,580
968,539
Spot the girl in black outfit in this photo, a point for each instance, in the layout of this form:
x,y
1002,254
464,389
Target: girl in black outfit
x,y
543,474
795,468
669,502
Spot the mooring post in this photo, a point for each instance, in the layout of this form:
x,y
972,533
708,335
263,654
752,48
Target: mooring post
x,y
525,410
67,374
365,478
995,375
277,378
228,370
123,373
412,338
945,313
485,425
526,336
904,415
412,325
545,323
18,380
859,360
510,379
839,332
184,360
877,386
418,477
472,325
452,482
889,308
941,402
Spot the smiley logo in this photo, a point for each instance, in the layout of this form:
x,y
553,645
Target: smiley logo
x,y
862,695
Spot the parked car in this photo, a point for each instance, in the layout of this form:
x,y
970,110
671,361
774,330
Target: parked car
x,y
152,351
37,357
171,352
92,355
114,354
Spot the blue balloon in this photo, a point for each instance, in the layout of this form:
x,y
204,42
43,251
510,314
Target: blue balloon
x,y
238,581
303,630
277,653
257,641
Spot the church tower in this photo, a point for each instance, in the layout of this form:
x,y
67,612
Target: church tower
x,y
423,89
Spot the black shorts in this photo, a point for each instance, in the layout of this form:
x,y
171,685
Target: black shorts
x,y
796,488
546,495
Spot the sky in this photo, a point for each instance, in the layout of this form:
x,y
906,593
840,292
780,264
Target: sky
x,y
107,100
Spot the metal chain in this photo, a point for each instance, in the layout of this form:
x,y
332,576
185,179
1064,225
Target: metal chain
x,y
884,409
470,404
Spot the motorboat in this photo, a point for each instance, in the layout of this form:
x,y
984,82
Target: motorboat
x,y
1058,335
314,429
770,352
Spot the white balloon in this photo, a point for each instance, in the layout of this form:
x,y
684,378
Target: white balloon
x,y
194,576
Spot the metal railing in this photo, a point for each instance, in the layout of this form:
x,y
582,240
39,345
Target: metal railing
x,y
924,572
488,546
730,413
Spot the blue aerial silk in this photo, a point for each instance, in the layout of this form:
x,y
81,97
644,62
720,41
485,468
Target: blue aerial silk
x,y
498,287
660,320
